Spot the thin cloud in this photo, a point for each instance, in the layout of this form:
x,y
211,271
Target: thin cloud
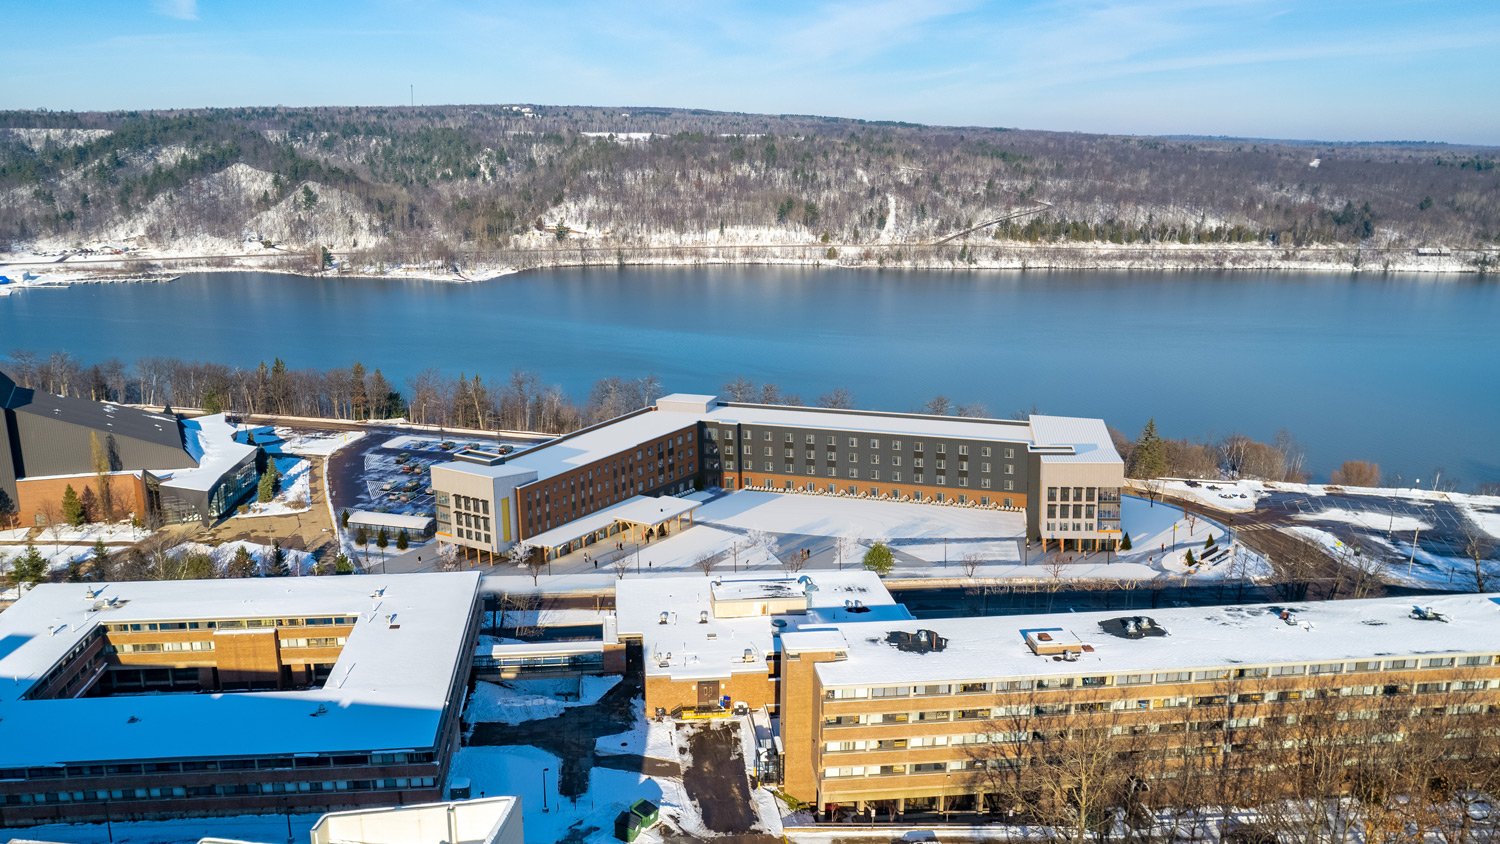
x,y
183,10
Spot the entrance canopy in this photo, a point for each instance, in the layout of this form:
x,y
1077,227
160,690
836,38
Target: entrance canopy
x,y
641,511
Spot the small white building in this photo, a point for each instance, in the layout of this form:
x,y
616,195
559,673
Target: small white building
x,y
492,820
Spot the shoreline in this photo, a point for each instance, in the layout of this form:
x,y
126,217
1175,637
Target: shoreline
x,y
46,271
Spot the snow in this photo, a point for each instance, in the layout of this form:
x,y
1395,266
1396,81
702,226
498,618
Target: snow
x,y
1198,637
212,442
1370,519
646,737
295,495
1228,496
526,771
1488,518
298,562
388,687
311,443
515,701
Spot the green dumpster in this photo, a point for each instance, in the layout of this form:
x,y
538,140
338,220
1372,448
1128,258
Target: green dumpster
x,y
642,814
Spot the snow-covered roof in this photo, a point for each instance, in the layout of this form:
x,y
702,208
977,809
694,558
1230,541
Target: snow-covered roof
x,y
596,443
1197,638
1072,439
485,470
387,690
399,521
210,442
716,647
638,509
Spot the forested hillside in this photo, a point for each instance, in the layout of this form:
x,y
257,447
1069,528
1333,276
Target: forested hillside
x,y
442,183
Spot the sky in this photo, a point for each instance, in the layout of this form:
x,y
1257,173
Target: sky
x,y
1344,70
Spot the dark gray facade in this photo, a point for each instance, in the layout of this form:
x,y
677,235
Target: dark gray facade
x,y
964,469
51,435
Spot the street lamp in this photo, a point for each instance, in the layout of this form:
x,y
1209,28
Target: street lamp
x,y
544,790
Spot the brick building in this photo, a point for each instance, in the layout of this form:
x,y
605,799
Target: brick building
x,y
156,699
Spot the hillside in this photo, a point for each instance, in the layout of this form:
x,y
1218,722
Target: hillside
x,y
486,188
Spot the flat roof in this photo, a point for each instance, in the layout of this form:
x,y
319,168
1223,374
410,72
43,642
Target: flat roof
x,y
638,509
396,520
1072,439
387,690
484,470
716,648
592,444
1197,637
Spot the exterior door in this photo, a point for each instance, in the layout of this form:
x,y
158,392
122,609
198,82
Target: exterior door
x,y
708,694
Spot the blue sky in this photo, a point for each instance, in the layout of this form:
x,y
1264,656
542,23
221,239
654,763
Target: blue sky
x,y
1326,69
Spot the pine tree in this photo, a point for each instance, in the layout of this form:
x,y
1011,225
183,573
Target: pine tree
x,y
342,564
1149,460
100,562
879,559
1209,543
1124,542
277,566
29,568
270,483
402,543
1191,560
242,564
344,520
72,507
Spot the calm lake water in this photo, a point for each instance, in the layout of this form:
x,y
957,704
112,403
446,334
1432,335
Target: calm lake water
x,y
1404,370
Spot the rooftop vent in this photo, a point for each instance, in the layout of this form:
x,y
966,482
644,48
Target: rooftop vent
x,y
807,584
661,619
703,616
1428,614
920,642
1132,627
853,606
749,655
321,710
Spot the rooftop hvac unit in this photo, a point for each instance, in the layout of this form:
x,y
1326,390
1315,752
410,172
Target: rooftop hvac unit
x,y
749,655
1427,614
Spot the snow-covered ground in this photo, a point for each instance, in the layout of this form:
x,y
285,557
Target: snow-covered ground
x,y
528,772
515,701
298,562
1228,496
115,533
295,495
309,443
646,737
1369,519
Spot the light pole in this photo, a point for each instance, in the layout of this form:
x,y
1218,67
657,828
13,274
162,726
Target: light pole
x,y
637,557
544,790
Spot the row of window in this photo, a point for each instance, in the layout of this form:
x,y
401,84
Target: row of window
x,y
199,791
320,642
265,763
1071,493
471,504
810,456
1165,677
852,473
159,647
874,442
228,623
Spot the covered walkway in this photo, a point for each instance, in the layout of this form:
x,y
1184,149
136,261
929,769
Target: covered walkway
x,y
634,520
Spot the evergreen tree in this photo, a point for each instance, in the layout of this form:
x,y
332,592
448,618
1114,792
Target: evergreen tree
x,y
402,543
879,559
342,564
1124,542
359,400
29,568
344,520
72,507
100,563
197,566
75,572
241,564
1209,543
1149,460
1191,560
277,567
270,483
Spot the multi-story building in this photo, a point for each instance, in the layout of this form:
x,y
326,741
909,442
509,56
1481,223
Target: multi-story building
x,y
918,715
158,699
1063,472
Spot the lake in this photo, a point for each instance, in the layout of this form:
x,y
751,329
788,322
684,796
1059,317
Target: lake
x,y
1403,370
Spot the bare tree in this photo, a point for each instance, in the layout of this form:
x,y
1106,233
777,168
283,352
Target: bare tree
x,y
622,565
705,563
971,562
1478,546
838,397
1356,473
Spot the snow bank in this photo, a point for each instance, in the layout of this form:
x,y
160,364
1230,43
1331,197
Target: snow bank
x,y
515,701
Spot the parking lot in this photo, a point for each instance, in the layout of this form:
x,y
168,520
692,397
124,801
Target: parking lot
x,y
387,471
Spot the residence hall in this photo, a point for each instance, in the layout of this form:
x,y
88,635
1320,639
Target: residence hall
x,y
1063,472
908,716
159,699
149,464
713,644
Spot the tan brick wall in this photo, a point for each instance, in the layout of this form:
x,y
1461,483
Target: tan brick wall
x,y
247,656
34,495
753,689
